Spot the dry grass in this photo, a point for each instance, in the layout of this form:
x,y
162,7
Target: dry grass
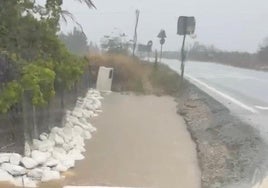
x,y
131,74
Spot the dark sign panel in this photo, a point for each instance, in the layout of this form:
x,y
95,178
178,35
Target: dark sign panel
x,y
186,25
162,41
162,34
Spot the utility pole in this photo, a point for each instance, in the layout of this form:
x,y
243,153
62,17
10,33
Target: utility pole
x,y
135,32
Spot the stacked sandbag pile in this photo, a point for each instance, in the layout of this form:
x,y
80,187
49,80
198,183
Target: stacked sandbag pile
x,y
56,152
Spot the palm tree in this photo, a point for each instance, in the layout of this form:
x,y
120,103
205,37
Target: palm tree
x,y
65,13
88,2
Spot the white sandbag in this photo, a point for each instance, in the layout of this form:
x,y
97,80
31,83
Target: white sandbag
x,y
36,174
60,168
73,120
90,107
49,175
92,129
36,144
27,149
58,154
86,135
97,104
60,150
75,155
82,120
58,140
51,137
77,130
77,113
43,136
29,163
4,157
40,157
68,125
14,170
46,145
15,159
67,147
55,130
77,141
87,113
24,181
68,163
81,149
95,115
51,162
83,124
64,165
45,168
67,134
98,111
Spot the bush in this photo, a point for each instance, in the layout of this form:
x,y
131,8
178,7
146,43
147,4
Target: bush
x,y
164,80
131,74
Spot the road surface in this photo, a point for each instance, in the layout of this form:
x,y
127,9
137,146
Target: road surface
x,y
141,142
243,91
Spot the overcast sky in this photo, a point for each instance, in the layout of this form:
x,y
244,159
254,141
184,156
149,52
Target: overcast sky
x,y
227,24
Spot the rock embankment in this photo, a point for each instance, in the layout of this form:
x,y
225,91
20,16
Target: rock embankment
x,y
56,152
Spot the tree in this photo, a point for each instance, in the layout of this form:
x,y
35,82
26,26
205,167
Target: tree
x,y
75,41
115,44
263,51
29,41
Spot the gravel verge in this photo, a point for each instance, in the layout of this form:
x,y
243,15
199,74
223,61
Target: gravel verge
x,y
231,153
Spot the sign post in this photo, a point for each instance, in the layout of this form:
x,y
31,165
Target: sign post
x,y
162,35
186,26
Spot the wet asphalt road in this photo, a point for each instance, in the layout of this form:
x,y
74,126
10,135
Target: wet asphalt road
x,y
244,92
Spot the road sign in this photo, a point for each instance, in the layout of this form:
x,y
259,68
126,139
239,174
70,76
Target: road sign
x,y
186,25
162,41
150,43
162,34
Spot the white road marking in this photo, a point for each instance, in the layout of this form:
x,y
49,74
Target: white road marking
x,y
261,107
235,101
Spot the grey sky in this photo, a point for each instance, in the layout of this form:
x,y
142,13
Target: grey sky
x,y
227,24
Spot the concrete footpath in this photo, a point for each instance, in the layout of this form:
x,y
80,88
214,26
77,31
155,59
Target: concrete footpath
x,y
141,142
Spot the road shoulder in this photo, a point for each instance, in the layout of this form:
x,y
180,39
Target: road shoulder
x,y
231,153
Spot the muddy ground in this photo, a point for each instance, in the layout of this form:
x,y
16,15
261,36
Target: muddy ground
x,y
231,152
